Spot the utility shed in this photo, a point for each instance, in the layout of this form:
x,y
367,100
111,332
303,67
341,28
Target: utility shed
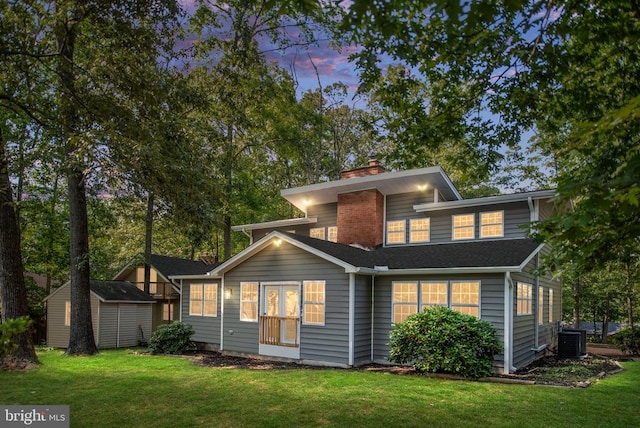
x,y
120,312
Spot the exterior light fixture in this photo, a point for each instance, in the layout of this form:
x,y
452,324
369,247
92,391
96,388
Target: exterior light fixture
x,y
277,242
228,293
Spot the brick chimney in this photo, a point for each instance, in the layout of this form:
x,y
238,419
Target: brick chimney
x,y
361,213
373,168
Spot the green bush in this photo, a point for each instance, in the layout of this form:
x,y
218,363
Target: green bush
x,y
174,338
9,330
445,341
628,340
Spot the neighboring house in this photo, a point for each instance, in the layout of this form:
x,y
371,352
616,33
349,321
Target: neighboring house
x,y
165,292
373,248
120,313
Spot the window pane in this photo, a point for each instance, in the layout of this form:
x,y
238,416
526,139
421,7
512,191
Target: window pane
x,y
524,299
419,230
333,234
317,232
465,297
402,311
210,292
314,302
196,292
540,305
67,313
396,232
434,293
249,311
405,292
550,305
463,226
210,308
249,291
491,224
195,308
468,310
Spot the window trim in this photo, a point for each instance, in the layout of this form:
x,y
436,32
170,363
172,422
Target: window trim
x,y
203,300
428,229
242,301
67,313
306,302
540,305
454,227
402,232
482,236
527,299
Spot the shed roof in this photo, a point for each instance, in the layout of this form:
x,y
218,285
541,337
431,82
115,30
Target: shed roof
x,y
119,291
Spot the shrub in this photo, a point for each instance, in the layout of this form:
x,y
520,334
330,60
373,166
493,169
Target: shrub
x,y
174,338
441,340
8,331
628,340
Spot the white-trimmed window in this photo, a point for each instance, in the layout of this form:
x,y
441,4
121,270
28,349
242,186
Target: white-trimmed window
x,y
524,298
166,312
405,300
540,305
465,297
492,224
203,300
317,232
434,294
249,301
67,313
332,233
314,302
419,229
463,226
396,232
550,305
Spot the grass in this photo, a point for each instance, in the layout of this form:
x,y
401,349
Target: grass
x,y
120,389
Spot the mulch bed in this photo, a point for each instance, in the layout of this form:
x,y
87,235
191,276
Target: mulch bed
x,y
545,371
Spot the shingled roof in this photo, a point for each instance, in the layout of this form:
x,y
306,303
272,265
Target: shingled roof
x,y
119,291
476,254
169,266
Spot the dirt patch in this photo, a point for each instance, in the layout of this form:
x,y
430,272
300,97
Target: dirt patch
x,y
545,371
12,364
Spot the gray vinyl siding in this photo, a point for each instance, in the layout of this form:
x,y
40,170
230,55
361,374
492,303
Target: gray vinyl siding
x,y
516,214
127,334
207,329
491,306
144,318
524,326
545,209
327,343
362,319
400,206
327,215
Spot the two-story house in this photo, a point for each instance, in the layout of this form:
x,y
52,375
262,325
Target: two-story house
x,y
373,248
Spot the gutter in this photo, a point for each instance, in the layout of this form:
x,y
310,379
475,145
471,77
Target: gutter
x,y
508,325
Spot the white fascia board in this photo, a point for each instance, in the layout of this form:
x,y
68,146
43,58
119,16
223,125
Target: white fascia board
x,y
531,256
277,223
488,200
454,270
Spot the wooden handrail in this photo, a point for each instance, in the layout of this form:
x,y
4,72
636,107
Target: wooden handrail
x,y
271,330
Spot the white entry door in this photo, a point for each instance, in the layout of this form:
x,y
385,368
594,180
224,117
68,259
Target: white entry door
x,y
280,320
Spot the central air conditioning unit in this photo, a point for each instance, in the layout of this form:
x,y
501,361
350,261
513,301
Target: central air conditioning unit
x,y
569,344
583,339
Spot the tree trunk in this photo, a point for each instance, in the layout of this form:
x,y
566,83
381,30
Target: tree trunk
x,y
147,242
575,287
13,292
81,339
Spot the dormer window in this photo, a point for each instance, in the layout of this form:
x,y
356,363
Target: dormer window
x,y
333,234
492,224
396,232
463,226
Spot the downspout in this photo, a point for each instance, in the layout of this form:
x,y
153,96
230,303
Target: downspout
x,y
536,343
181,301
352,308
508,324
222,314
373,311
118,329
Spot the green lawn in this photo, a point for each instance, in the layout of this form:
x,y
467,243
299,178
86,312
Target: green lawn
x,y
120,389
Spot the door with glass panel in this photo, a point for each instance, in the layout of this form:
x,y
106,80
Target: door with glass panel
x,y
280,315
